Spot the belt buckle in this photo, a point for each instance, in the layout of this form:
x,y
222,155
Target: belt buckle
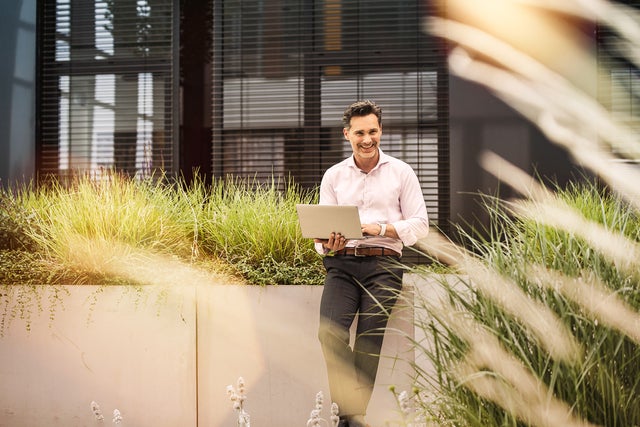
x,y
355,252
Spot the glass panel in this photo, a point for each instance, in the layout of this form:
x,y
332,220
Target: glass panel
x,y
104,39
263,37
405,97
63,30
290,69
258,103
111,105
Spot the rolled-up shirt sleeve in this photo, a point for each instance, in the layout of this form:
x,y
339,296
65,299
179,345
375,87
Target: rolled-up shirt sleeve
x,y
415,223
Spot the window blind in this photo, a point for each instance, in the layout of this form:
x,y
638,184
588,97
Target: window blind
x,y
107,86
285,70
619,82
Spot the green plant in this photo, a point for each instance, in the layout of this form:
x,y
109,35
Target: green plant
x,y
143,214
541,327
541,322
15,221
115,229
254,226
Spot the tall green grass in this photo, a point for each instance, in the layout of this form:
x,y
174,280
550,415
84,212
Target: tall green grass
x,y
144,214
254,226
85,227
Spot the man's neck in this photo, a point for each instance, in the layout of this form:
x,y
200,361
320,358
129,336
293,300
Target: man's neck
x,y
367,165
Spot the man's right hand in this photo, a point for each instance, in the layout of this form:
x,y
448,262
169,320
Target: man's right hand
x,y
335,242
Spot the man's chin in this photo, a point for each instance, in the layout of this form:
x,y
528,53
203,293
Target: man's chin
x,y
369,153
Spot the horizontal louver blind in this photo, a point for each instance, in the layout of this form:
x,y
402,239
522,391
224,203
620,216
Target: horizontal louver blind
x,y
619,83
106,86
285,70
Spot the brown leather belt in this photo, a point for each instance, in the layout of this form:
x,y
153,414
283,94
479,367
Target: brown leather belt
x,y
368,251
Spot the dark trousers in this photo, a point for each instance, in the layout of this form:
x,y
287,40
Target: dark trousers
x,y
368,286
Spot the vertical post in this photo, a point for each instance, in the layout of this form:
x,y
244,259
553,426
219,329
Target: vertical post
x,y
217,93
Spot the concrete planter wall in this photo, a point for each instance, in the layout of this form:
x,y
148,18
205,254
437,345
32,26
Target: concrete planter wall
x,y
164,356
125,349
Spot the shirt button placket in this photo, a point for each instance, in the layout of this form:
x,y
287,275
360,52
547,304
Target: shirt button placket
x,y
365,191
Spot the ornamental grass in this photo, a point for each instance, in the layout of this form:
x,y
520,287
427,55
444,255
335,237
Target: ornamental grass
x,y
116,230
539,325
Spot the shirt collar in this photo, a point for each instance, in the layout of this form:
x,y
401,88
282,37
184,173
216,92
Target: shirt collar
x,y
383,159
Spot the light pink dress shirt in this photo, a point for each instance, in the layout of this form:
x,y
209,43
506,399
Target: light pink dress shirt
x,y
390,193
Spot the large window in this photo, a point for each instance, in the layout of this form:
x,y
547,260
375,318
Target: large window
x,y
106,86
280,74
285,70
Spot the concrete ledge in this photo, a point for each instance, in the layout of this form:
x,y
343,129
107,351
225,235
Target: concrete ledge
x,y
125,349
164,356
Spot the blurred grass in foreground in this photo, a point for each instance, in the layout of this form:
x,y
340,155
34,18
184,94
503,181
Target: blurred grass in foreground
x,y
541,326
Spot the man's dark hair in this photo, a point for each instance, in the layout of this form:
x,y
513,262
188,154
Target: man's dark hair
x,y
361,108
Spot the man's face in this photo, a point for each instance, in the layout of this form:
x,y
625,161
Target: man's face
x,y
364,136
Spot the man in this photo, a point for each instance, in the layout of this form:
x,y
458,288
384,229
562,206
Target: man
x,y
363,276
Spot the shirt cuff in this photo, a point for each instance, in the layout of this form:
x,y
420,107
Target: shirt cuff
x,y
321,249
405,233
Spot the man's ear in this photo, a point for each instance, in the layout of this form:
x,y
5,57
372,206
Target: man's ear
x,y
345,132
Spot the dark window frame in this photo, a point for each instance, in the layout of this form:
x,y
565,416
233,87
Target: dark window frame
x,y
49,71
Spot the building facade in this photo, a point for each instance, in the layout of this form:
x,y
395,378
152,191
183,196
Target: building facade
x,y
250,88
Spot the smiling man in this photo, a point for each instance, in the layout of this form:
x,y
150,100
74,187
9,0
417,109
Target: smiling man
x,y
364,276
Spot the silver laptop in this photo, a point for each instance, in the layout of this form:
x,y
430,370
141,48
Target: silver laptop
x,y
319,221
